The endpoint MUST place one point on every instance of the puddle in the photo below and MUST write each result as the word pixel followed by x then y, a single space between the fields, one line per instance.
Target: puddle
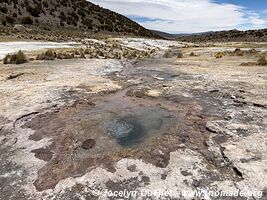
pixel 132 130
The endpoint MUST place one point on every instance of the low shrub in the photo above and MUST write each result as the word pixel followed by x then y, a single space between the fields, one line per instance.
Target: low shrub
pixel 248 64
pixel 10 19
pixel 65 55
pixel 34 11
pixel 192 54
pixel 167 54
pixel 48 55
pixel 18 58
pixel 252 51
pixel 3 9
pixel 83 55
pixel 239 52
pixel 180 55
pixel 262 61
pixel 173 53
pixel 219 54
pixel 87 51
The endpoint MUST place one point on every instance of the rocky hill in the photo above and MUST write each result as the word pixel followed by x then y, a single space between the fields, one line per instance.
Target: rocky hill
pixel 69 14
pixel 227 36
pixel 164 35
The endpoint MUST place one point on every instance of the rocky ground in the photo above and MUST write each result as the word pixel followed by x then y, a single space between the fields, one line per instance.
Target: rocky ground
pixel 77 128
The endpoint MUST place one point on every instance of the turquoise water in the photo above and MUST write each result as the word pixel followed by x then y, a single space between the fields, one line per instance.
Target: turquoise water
pixel 136 128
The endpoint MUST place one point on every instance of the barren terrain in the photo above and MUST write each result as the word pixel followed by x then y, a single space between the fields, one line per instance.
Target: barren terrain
pixel 75 128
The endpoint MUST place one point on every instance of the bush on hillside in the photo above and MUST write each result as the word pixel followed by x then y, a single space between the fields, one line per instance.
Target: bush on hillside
pixel 34 11
pixel 3 9
pixel 26 20
pixel 10 19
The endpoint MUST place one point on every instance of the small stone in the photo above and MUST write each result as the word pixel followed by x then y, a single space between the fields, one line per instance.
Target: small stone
pixel 186 173
pixel 132 168
pixel 213 90
pixel 233 97
pixel 88 144
pixel 145 179
pixel 213 127
pixel 163 176
pixel 181 146
pixel 19 27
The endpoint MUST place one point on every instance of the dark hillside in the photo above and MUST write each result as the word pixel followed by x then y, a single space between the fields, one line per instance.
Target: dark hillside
pixel 71 14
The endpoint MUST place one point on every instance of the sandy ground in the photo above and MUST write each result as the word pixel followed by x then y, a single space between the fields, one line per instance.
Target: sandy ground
pixel 203 122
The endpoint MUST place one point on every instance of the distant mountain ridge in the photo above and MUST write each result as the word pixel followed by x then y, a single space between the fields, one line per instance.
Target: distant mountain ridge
pixel 76 14
pixel 226 36
pixel 218 36
pixel 164 34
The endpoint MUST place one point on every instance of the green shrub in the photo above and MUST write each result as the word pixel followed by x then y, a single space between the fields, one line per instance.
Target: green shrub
pixel 17 58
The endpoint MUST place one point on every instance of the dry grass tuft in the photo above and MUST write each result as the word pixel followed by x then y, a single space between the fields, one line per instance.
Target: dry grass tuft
pixel 48 55
pixel 18 58
pixel 262 61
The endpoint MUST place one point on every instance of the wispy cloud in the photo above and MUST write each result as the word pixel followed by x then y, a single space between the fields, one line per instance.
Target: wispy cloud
pixel 185 16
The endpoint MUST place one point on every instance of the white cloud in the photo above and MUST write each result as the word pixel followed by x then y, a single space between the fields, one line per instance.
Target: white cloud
pixel 184 16
pixel 256 20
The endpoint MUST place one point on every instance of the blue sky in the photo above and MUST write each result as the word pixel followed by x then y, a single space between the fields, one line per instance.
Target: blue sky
pixel 191 16
pixel 250 4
